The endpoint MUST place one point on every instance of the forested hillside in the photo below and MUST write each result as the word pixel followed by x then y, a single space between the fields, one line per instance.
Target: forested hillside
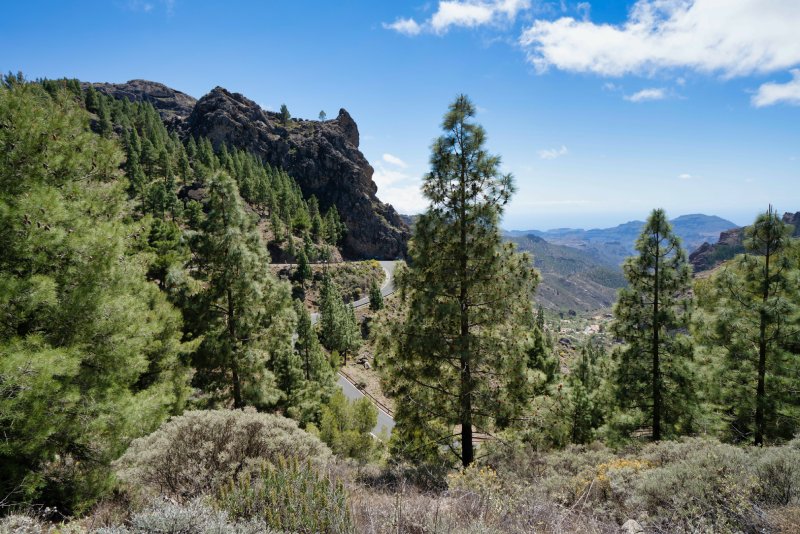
pixel 157 376
pixel 321 155
pixel 571 278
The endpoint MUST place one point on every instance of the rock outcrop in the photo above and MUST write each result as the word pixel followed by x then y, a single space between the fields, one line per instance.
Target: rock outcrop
pixel 730 243
pixel 323 158
pixel 172 105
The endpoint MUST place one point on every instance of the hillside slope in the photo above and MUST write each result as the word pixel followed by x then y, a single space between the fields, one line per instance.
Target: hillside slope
pixel 572 279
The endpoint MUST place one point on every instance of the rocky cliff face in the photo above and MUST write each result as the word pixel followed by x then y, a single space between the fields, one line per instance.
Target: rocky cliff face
pixel 730 243
pixel 323 157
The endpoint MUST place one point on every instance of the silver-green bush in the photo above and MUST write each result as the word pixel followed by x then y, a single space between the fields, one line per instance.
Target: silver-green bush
pixel 197 452
pixel 193 517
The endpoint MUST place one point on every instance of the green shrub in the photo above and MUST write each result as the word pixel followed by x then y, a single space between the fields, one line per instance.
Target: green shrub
pixel 199 451
pixel 289 496
pixel 346 426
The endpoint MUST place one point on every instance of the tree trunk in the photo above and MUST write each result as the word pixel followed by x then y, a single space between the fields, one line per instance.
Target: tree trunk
pixel 467 451
pixel 656 363
pixel 762 356
pixel 237 384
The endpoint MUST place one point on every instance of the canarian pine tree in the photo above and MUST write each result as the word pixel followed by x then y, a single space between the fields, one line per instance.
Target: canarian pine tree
pixel 89 349
pixel 338 326
pixel 653 371
pixel 314 363
pixel 243 313
pixel 753 322
pixel 375 297
pixel 457 359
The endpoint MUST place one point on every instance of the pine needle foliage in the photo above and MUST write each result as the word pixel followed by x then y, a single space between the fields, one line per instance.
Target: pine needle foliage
pixel 457 360
pixel 752 322
pixel 90 351
pixel 653 376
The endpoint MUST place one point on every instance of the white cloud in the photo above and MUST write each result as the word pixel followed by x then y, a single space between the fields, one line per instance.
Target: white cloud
pixel 585 10
pixel 733 38
pixel 685 176
pixel 773 93
pixel 405 26
pixel 394 160
pixel 400 190
pixel 553 153
pixel 462 13
pixel 645 95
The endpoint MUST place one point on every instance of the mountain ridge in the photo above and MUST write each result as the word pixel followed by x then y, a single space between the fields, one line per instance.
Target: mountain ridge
pixel 322 156
pixel 614 244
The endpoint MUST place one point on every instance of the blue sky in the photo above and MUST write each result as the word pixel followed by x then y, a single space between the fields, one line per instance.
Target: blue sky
pixel 602 110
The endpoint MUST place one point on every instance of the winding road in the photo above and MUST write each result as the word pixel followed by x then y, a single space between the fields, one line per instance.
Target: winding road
pixel 385 421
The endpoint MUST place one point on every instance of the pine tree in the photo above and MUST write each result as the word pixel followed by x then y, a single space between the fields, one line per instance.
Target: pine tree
pixel 585 383
pixel 542 361
pixel 322 116
pixel 303 270
pixel 314 363
pixel 89 349
pixel 243 312
pixel 375 297
pixel 317 224
pixel 285 115
pixel 653 374
pixel 753 320
pixel 457 358
pixel 334 227
pixel 338 327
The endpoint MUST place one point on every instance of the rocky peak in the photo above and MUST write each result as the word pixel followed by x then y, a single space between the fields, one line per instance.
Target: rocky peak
pixel 169 103
pixel 323 158
pixel 348 127
pixel 794 220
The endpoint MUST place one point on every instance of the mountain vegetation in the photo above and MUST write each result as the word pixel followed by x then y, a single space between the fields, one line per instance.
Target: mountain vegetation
pixel 156 375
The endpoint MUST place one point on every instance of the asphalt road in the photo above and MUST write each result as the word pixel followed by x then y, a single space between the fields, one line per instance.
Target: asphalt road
pixel 385 421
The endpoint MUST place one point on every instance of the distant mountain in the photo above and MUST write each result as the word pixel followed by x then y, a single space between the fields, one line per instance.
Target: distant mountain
pixel 613 245
pixel 729 244
pixel 572 279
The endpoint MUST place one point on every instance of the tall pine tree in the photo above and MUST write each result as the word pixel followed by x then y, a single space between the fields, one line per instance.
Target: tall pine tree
pixel 653 373
pixel 457 358
pixel 338 327
pixel 753 323
pixel 243 313
pixel 89 349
